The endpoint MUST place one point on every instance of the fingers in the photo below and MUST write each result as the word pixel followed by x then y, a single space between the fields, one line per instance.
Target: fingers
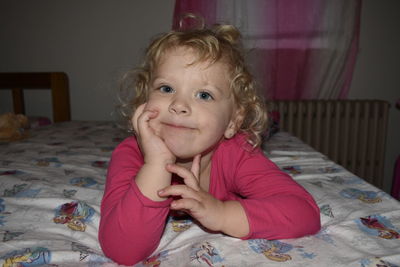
pixel 196 166
pixel 186 204
pixel 183 191
pixel 190 178
pixel 190 200
pixel 141 118
pixel 135 117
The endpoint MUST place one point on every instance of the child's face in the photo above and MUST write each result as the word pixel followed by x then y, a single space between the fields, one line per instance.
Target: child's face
pixel 195 104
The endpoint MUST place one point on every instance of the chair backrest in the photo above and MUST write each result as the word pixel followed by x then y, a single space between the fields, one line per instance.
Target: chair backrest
pixel 57 82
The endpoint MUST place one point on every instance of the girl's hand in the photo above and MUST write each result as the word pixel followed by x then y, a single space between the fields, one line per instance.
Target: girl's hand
pixel 152 146
pixel 202 206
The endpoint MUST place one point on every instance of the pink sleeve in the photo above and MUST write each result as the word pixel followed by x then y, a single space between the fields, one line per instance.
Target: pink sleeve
pixel 276 206
pixel 131 225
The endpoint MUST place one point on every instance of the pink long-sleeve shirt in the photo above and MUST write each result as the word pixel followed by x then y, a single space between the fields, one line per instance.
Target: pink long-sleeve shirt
pixel 276 206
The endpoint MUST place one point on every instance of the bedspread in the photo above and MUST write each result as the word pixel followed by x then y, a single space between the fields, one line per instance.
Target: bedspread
pixel 51 185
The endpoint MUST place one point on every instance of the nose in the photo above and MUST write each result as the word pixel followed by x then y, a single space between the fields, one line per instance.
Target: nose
pixel 179 107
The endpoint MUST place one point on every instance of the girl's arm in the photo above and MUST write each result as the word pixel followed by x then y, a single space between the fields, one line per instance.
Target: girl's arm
pixel 276 206
pixel 131 223
pixel 132 213
pixel 271 204
pixel 152 176
pixel 235 221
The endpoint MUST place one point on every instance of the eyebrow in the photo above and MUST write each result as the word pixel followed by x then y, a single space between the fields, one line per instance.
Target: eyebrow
pixel 156 79
pixel 221 92
pixel 159 80
pixel 164 80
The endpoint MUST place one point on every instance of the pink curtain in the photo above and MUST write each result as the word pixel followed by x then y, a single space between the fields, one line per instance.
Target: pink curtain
pixel 297 49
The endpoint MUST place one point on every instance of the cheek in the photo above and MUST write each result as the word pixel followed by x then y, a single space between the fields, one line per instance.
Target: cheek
pixel 153 104
pixel 216 121
pixel 223 116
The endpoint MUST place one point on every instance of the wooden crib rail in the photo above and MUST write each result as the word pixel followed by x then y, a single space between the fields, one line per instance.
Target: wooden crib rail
pixel 350 132
pixel 57 82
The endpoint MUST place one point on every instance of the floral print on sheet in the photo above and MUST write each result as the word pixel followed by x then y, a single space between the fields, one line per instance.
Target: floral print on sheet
pixel 35 256
pixel 205 253
pixel 379 226
pixel 38 184
pixel 273 250
pixel 75 215
pixel 51 187
pixel 362 195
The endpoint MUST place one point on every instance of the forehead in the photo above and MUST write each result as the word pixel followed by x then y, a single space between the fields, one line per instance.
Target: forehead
pixel 182 65
pixel 191 57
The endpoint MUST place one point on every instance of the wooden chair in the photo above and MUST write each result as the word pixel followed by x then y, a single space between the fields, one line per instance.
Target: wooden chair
pixel 57 82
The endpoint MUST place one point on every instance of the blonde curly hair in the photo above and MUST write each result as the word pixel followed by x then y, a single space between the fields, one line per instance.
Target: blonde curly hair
pixel 221 42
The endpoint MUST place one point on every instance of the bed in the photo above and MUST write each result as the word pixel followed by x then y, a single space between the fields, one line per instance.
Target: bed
pixel 52 182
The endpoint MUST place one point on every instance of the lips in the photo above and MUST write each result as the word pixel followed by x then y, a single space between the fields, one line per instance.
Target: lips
pixel 177 126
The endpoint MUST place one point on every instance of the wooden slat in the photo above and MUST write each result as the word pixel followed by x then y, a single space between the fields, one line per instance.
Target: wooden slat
pixel 335 141
pixel 327 128
pixel 281 108
pixel 290 116
pixel 18 101
pixel 354 137
pixel 299 120
pixel 383 121
pixel 309 121
pixel 364 139
pixel 373 142
pixel 60 97
pixel 318 126
pixel 346 134
pixel 28 80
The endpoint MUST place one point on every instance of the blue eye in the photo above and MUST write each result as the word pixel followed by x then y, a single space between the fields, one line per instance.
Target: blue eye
pixel 204 96
pixel 166 89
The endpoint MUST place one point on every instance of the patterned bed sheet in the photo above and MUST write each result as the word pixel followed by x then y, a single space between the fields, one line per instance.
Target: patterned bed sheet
pixel 51 186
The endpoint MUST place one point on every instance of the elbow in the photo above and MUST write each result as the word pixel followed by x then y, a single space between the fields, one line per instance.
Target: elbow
pixel 111 251
pixel 307 221
pixel 117 247
pixel 312 227
pixel 283 218
pixel 301 221
pixel 119 253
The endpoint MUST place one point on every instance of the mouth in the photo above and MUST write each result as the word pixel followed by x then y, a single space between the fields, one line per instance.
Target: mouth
pixel 177 126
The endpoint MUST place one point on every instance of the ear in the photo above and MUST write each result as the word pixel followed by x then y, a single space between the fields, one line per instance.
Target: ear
pixel 235 123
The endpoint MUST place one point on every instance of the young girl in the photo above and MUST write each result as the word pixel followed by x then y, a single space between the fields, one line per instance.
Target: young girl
pixel 196 116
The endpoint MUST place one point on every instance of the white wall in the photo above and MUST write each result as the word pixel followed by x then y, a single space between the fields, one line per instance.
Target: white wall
pixel 94 41
pixel 377 74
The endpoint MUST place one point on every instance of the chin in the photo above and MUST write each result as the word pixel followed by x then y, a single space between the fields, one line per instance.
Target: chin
pixel 183 154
